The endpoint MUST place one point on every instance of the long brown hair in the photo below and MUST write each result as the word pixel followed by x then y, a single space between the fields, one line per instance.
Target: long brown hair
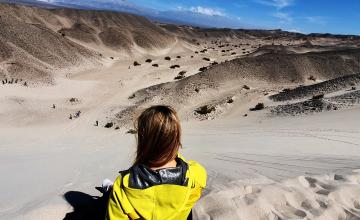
pixel 158 136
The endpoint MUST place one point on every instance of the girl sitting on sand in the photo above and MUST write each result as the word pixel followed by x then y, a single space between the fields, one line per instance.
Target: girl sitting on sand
pixel 161 184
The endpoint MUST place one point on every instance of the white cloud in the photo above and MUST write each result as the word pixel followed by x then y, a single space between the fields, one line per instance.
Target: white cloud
pixel 203 10
pixel 279 4
pixel 207 11
pixel 47 1
pixel 294 30
pixel 316 20
pixel 284 17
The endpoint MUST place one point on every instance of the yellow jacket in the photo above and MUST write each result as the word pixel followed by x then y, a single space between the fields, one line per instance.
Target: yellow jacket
pixel 157 202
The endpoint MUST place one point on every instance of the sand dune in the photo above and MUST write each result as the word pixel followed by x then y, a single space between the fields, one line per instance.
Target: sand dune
pixel 324 87
pixel 305 197
pixel 218 84
pixel 189 32
pixel 108 66
pixel 43 39
pixel 34 51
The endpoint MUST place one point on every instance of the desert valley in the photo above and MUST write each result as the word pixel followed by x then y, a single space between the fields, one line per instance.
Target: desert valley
pixel 273 115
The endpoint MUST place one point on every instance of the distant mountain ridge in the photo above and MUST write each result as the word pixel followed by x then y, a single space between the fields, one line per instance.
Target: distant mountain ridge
pixel 177 17
pixel 38 42
pixel 173 17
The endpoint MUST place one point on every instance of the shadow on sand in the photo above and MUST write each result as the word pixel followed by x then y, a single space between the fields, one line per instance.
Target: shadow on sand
pixel 86 206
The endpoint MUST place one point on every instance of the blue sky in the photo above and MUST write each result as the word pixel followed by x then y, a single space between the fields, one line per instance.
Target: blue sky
pixel 306 16
pixel 333 16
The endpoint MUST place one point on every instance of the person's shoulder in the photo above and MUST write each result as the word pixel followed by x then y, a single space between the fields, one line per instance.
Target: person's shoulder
pixel 198 171
pixel 119 180
pixel 194 166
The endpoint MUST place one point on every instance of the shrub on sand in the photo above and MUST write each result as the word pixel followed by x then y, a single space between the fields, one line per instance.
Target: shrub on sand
pixel 246 87
pixel 312 78
pixel 231 100
pixel 182 73
pixel 109 125
pixel 318 96
pixel 203 110
pixel 174 66
pixel 131 131
pixel 132 96
pixel 258 106
pixel 203 68
pixel 179 77
pixel 73 100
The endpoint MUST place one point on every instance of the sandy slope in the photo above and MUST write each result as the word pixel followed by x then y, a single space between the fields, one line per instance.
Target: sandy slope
pixel 39 44
pixel 241 155
pixel 259 166
pixel 252 161
pixel 44 154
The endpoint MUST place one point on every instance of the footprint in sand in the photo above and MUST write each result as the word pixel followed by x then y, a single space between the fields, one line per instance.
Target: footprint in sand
pixel 290 212
pixel 322 204
pixel 356 204
pixel 323 192
pixel 316 208
pixel 339 177
pixel 307 181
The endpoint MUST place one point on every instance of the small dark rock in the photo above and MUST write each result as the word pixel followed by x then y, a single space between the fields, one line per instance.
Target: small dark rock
pixel 174 66
pixel 179 77
pixel 131 131
pixel 73 99
pixel 203 69
pixel 203 110
pixel 230 101
pixel 312 78
pixel 182 73
pixel 109 125
pixel 132 96
pixel 318 96
pixel 258 106
pixel 246 87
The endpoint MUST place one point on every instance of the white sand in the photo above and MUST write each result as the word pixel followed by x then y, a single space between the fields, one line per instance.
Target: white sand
pixel 40 164
pixel 259 167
